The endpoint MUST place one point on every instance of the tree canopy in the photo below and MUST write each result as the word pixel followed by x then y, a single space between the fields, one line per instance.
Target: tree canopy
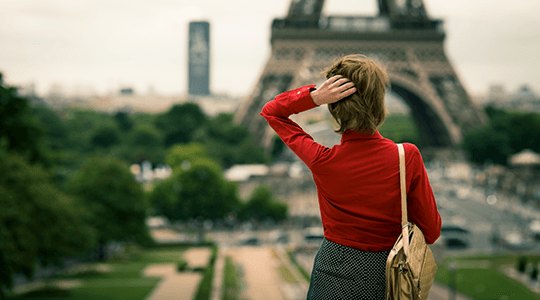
pixel 261 205
pixel 19 130
pixel 38 223
pixel 115 200
pixel 197 187
pixel 506 133
pixel 105 136
pixel 65 184
pixel 180 122
pixel 123 120
pixel 230 143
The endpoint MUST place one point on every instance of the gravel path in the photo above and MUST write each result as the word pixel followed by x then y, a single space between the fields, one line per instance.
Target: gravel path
pixel 181 286
pixel 260 272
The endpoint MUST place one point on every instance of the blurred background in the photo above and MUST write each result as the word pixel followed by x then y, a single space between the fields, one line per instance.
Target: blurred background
pixel 134 163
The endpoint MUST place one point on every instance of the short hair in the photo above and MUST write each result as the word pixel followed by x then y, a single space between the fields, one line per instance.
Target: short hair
pixel 364 110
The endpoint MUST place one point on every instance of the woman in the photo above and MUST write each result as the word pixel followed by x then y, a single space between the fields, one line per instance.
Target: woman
pixel 357 181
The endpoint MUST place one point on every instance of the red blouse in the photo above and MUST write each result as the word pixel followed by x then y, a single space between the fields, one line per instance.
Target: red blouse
pixel 358 180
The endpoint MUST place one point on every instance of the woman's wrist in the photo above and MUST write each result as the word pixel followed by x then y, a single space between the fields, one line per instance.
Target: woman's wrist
pixel 314 97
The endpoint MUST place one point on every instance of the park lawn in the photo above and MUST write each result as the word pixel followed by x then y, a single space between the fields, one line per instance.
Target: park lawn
pixel 162 255
pixel 400 128
pixel 106 290
pixel 124 281
pixel 488 282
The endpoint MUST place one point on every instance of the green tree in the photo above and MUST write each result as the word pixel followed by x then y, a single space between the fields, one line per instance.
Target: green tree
pixel 487 144
pixel 163 199
pixel 222 127
pixel 57 132
pixel 523 130
pixel 507 133
pixel 19 130
pixel 116 201
pixel 197 187
pixel 144 142
pixel 261 205
pixel 183 155
pixel 123 120
pixel 38 223
pixel 248 152
pixel 199 191
pixel 145 136
pixel 203 192
pixel 230 143
pixel 105 137
pixel 180 122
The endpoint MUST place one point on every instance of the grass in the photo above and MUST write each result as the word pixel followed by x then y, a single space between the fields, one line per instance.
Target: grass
pixel 162 255
pixel 286 274
pixel 124 279
pixel 486 283
pixel 112 292
pixel 102 288
pixel 231 280
pixel 204 289
pixel 400 128
pixel 283 270
pixel 304 273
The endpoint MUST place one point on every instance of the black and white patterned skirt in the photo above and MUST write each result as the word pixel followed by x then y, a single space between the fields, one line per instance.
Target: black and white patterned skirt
pixel 341 272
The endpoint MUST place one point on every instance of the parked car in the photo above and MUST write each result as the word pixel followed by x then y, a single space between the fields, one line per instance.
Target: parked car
pixel 250 241
pixel 455 242
pixel 453 228
pixel 314 235
pixel 455 236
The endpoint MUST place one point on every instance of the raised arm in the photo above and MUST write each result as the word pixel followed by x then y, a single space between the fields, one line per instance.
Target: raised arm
pixel 333 90
pixel 277 112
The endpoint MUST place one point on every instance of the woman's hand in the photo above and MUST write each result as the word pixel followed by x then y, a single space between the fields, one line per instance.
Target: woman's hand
pixel 332 90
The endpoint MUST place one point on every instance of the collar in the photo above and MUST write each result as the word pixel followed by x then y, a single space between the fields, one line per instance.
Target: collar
pixel 354 135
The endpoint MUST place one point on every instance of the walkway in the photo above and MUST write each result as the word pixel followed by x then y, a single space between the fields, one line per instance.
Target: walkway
pixel 260 272
pixel 174 285
pixel 180 286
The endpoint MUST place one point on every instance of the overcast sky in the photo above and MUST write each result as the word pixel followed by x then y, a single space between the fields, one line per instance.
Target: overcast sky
pixel 108 44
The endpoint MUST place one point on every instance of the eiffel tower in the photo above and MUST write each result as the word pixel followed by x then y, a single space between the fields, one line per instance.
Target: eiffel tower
pixel 401 37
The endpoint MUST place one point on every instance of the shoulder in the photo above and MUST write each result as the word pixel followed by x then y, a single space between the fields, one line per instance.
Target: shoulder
pixel 411 149
pixel 412 153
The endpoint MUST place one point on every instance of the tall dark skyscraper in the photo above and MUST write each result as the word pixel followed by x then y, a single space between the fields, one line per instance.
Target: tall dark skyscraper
pixel 199 58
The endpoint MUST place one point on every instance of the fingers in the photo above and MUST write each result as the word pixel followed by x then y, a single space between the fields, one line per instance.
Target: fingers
pixel 334 89
pixel 337 80
pixel 341 82
pixel 349 91
pixel 344 86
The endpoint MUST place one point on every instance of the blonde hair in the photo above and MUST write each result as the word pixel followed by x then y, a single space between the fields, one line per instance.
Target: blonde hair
pixel 364 110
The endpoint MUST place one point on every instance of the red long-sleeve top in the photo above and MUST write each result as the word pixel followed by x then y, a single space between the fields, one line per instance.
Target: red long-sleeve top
pixel 358 180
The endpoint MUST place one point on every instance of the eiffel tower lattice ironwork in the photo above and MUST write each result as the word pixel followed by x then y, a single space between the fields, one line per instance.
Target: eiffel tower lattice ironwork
pixel 402 37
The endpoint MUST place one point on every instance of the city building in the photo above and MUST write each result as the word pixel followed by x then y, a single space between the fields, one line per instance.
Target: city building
pixel 199 58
